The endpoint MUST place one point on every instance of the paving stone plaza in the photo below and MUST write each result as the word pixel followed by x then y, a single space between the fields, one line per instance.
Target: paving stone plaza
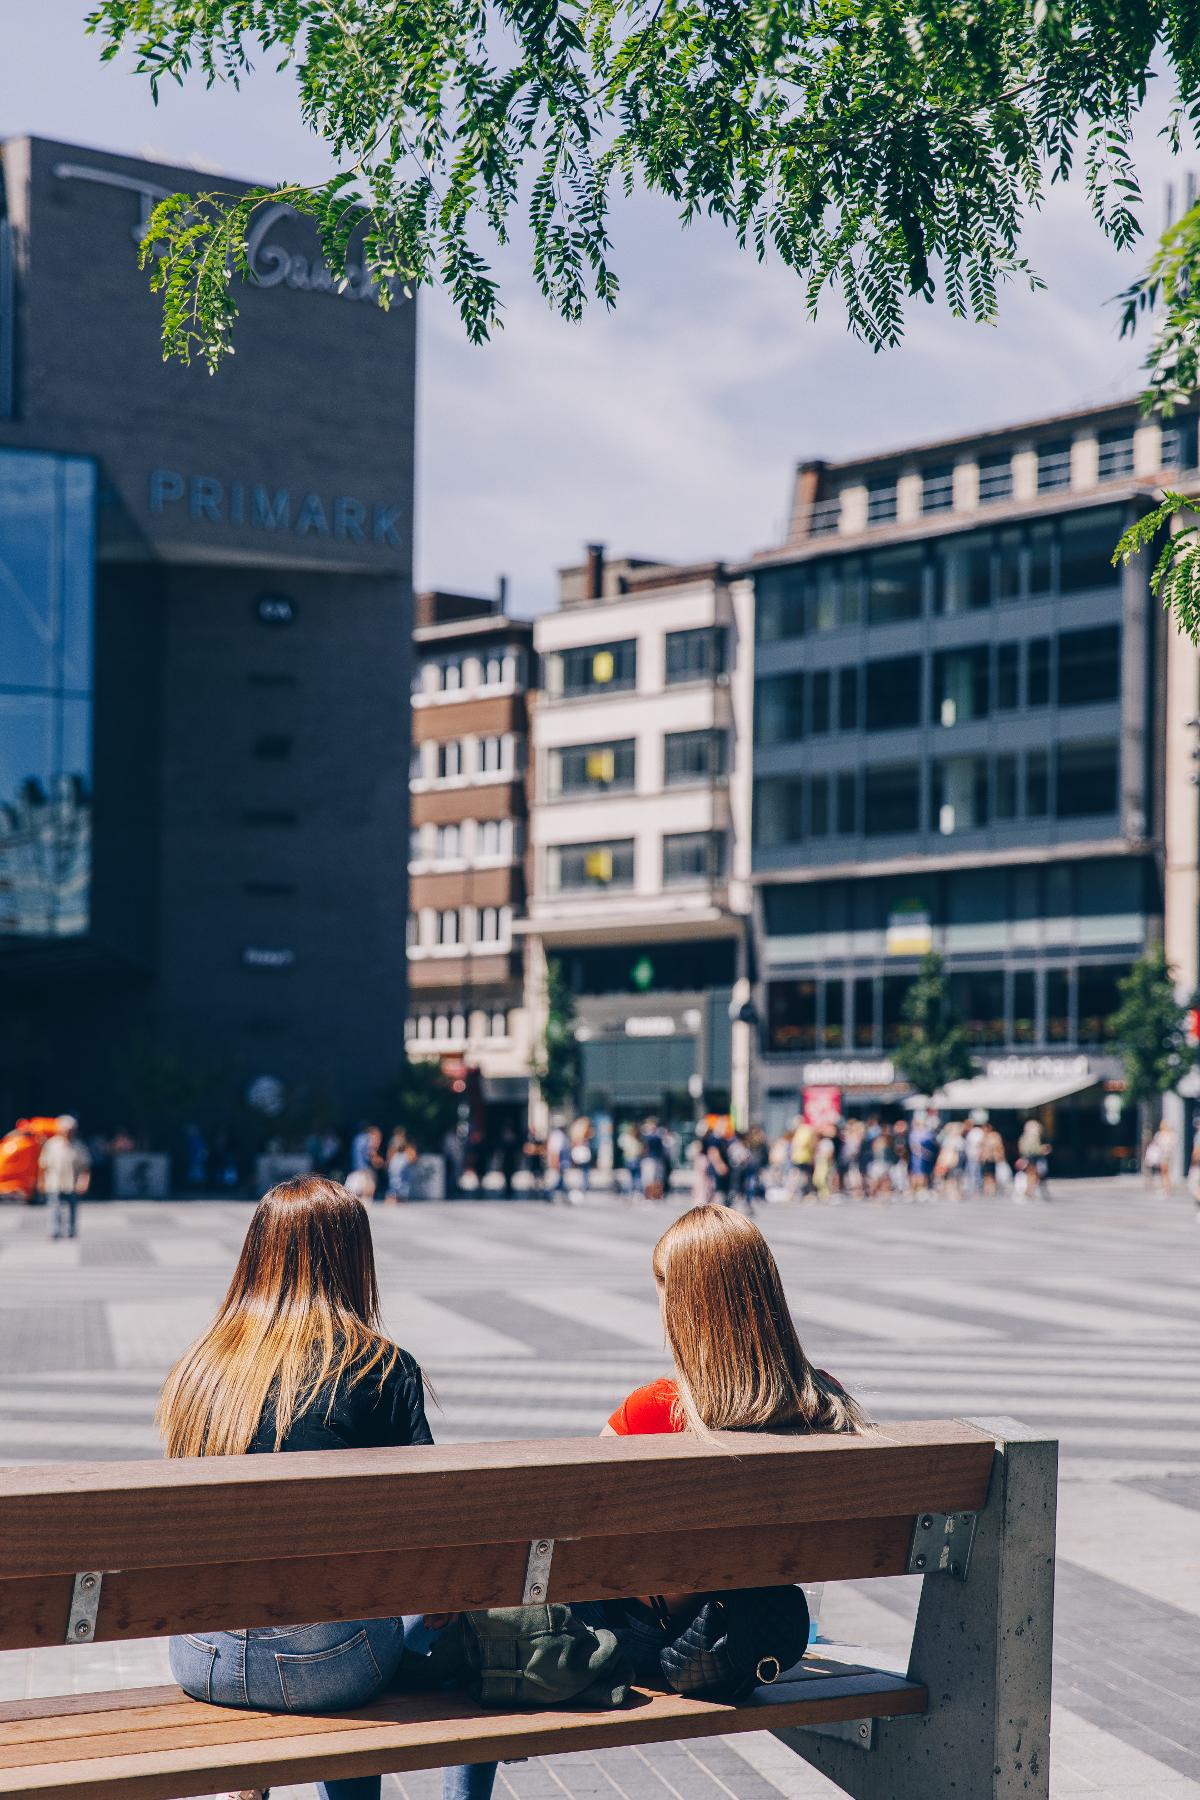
pixel 1082 1317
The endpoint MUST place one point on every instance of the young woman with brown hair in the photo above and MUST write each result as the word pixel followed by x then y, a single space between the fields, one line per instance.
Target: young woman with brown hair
pixel 296 1360
pixel 739 1365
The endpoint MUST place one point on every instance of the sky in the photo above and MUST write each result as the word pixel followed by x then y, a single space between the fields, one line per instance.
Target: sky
pixel 671 427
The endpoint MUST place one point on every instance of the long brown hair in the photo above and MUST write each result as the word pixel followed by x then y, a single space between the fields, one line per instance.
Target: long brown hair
pixel 739 1362
pixel 300 1317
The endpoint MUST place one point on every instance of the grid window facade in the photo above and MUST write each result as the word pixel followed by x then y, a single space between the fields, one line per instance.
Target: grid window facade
pixel 575 868
pixel 692 856
pixel 696 655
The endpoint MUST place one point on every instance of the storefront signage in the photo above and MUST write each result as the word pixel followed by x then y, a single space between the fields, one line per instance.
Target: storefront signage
pixel 822 1107
pixel 874 1073
pixel 269 264
pixel 909 929
pixel 255 956
pixel 210 500
pixel 1036 1068
pixel 650 1026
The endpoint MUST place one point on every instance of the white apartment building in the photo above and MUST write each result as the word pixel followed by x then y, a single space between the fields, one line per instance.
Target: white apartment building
pixel 640 752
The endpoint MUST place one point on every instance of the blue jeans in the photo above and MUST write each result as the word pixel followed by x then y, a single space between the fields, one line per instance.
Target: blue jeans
pixel 314 1668
pixel 61 1210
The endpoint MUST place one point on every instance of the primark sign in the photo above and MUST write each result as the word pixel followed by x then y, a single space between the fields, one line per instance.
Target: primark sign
pixel 213 501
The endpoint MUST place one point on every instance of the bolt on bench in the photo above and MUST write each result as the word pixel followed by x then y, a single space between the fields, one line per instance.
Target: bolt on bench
pixel 93 1552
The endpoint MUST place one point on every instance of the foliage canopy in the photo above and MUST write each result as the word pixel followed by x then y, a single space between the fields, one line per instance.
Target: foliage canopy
pixel 933 1047
pixel 1148 1028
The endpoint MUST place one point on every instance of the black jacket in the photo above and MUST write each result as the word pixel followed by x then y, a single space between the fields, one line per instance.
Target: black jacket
pixel 369 1415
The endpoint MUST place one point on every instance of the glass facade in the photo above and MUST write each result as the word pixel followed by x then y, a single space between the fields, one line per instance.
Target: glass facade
pixel 47 561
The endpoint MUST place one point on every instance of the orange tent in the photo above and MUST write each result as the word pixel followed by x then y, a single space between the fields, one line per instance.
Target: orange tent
pixel 19 1152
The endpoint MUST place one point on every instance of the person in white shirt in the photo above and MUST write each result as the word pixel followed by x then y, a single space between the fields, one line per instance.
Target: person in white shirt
pixel 64 1172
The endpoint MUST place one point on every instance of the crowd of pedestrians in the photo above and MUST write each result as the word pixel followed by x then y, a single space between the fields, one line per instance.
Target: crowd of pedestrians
pixel 873 1159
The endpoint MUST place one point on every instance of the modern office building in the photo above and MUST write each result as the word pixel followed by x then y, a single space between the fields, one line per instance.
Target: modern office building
pixel 204 638
pixel 961 745
pixel 641 792
pixel 472 671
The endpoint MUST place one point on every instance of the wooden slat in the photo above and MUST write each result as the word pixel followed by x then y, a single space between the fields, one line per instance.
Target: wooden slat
pixel 59 1518
pixel 133 1753
pixel 141 1603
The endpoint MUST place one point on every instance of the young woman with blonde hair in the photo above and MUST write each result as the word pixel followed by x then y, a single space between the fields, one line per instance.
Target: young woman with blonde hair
pixel 296 1360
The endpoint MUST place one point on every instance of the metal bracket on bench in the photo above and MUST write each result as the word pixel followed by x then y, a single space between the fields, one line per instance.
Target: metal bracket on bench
pixel 941 1544
pixel 537 1571
pixel 859 1732
pixel 85 1604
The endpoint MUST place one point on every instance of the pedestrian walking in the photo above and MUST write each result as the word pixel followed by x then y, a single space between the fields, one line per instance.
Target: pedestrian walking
pixel 64 1175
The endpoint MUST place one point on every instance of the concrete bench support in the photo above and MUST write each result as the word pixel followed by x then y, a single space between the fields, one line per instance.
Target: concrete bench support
pixel 982 1647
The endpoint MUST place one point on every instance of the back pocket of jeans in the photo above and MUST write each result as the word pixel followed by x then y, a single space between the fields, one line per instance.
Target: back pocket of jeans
pixel 192 1660
pixel 330 1680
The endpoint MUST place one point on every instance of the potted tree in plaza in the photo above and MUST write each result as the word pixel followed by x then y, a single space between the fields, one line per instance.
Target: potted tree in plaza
pixel 932 1047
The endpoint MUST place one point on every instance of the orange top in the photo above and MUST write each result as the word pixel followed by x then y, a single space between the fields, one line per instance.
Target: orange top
pixel 648 1411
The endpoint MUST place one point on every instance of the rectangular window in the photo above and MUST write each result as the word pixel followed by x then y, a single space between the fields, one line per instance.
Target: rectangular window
pixel 847 805
pixel 1116 453
pixel 691 856
pixel 825 516
pixel 937 488
pixel 577 867
pixel 1179 443
pixel 592 669
pixel 447 926
pixel 1058 1006
pixel 961 679
pixel 450 674
pixel 416 762
pixel 863 1000
pixel 818 703
pixel 960 794
pixel 1037 784
pixel 692 756
pixel 779 709
pixel 895 585
pixel 1024 1002
pixel 881 501
pixel 978 998
pixel 1089 666
pixel 995 478
pixel 1037 672
pixel 449 760
pixel 448 842
pixel 833 1032
pixel 892 799
pixel 895 988
pixel 488 927
pixel 1008 565
pixel 1086 545
pixel 780 604
pixel 489 837
pixel 963 575
pixel 1087 780
pixel 1006 787
pixel 818 806
pixel 1008 677
pixel 1054 465
pixel 848 688
pixel 1041 559
pixel 695 655
pixel 592 768
pixel 1098 996
pixel 491 755
pixel 893 690
pixel 778 811
pixel 792 1017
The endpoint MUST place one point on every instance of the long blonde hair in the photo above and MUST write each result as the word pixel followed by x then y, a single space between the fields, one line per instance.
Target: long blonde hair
pixel 300 1317
pixel 739 1362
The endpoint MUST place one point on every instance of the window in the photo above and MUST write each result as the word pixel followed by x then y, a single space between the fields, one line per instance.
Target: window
pixel 963 575
pixel 1089 666
pixel 573 867
pixel 893 693
pixel 937 488
pixel 825 516
pixel 834 1028
pixel 416 762
pixel 1054 465
pixel 1024 1007
pixel 818 703
pixel 447 926
pixel 792 1016
pixel 780 604
pixel 692 756
pixel 441 1026
pixel 960 684
pixel 818 806
pixel 491 755
pixel 592 669
pixel 449 841
pixel 778 811
pixel 960 794
pixel 1085 551
pixel 275 746
pixel 1179 444
pixel 1098 999
pixel 1058 1006
pixel 894 586
pixel 1037 784
pixel 779 709
pixel 488 931
pixel 695 655
pixel 449 760
pixel 1006 787
pixel 846 793
pixel 1037 672
pixel 451 673
pixel 892 799
pixel 1007 565
pixel 1087 780
pixel 862 996
pixel 498 1025
pixel 978 998
pixel 1041 559
pixel 995 478
pixel 489 837
pixel 493 672
pixel 894 991
pixel 848 689
pixel 834 594
pixel 693 856
pixel 1116 453
pixel 881 501
pixel 586 768
pixel 412 932
pixel 1008 677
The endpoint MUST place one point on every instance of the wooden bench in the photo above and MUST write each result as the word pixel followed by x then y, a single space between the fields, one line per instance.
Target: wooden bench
pixel 135 1550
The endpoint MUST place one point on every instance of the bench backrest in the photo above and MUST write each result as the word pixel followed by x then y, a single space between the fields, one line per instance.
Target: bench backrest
pixel 223 1542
